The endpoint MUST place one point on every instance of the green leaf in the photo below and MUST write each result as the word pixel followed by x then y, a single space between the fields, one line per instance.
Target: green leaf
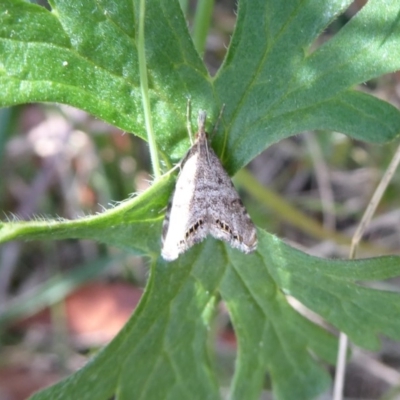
pixel 84 54
pixel 274 84
pixel 273 336
pixel 164 341
pixel 284 88
pixel 329 288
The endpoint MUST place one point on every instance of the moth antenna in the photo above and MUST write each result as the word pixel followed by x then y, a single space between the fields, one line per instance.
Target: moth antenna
pixel 202 130
pixel 201 121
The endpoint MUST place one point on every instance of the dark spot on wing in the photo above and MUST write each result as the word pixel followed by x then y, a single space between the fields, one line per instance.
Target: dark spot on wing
pixel 194 228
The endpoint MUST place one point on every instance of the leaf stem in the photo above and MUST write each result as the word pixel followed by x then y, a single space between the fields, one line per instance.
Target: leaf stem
pixel 202 21
pixel 288 213
pixel 145 93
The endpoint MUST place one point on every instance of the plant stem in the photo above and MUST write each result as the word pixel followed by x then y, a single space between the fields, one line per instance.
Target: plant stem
pixel 145 92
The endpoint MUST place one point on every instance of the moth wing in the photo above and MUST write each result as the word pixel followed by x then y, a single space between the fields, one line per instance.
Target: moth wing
pixel 227 217
pixel 185 219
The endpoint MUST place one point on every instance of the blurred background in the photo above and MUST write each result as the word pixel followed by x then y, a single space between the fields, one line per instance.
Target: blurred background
pixel 60 301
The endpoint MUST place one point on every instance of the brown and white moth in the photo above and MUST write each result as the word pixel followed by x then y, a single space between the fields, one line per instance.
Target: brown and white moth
pixel 205 202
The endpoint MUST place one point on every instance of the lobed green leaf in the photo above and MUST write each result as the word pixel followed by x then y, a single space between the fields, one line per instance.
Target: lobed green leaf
pixel 275 82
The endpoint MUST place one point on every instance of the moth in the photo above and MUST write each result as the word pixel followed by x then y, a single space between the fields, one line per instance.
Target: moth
pixel 205 202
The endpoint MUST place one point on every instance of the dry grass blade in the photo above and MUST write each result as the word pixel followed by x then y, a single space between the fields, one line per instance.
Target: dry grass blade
pixel 365 220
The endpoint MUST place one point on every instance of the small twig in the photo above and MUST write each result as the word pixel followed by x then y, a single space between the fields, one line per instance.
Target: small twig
pixel 365 220
pixel 373 204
